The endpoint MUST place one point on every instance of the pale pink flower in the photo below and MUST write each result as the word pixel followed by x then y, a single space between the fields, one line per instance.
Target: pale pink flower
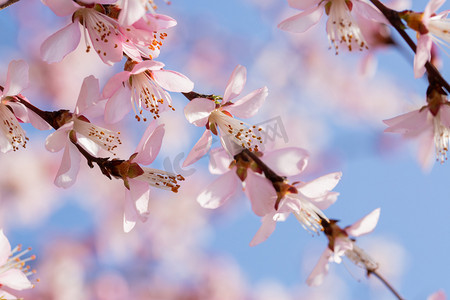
pixel 217 117
pixel 143 39
pixel 144 88
pixel 343 245
pixel 430 27
pixel 306 200
pixel 439 295
pixel 431 129
pixel 100 32
pixel 13 269
pixel 138 195
pixel 342 26
pixel 11 133
pixel 91 137
pixel 285 162
pixel 134 10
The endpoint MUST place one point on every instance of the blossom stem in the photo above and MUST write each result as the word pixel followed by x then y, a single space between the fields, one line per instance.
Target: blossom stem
pixel 386 283
pixel 395 20
pixel 8 3
pixel 268 172
pixel 50 117
pixel 192 95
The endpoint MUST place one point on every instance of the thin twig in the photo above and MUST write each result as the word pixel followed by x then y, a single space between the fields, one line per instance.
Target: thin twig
pixel 395 20
pixel 386 283
pixel 8 3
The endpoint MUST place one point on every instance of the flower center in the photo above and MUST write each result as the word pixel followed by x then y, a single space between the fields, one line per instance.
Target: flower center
pixel 11 129
pixel 441 138
pixel 161 179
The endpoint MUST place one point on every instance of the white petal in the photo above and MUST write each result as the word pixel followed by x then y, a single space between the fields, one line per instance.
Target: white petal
pixel 302 21
pixel 249 105
pixel 61 43
pixel 321 186
pixel 15 279
pixel 198 110
pixel 219 191
pixel 70 165
pixel 235 83
pixel 5 248
pixel 173 81
pixel 261 193
pixel 200 149
pixel 17 78
pixel 287 161
pixel 267 228
pixel 365 225
pixel 320 270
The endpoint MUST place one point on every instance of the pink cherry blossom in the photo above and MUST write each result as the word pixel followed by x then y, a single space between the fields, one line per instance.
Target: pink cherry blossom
pixel 138 195
pixel 343 245
pixel 11 133
pixel 143 88
pixel 305 200
pixel 217 117
pixel 13 269
pixel 430 28
pixel 342 26
pixel 100 32
pixel 431 129
pixel 91 137
pixel 285 162
pixel 439 295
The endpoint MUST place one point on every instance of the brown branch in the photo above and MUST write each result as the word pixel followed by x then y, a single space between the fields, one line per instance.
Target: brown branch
pixel 268 172
pixel 386 283
pixel 8 3
pixel 395 20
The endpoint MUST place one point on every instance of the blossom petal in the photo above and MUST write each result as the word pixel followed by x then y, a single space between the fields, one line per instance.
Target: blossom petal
pixel 155 22
pixel 61 43
pixel 61 8
pixel 369 12
pixel 249 105
pixel 173 81
pixel 324 202
pixel 319 187
pixel 199 149
pixel 365 225
pixel 118 106
pixel 439 295
pixel 17 78
pixel 261 193
pixel 131 12
pixel 267 228
pixel 15 279
pixel 423 54
pixel 198 110
pixel 147 65
pixel 130 215
pixel 302 21
pixel 114 83
pixel 5 248
pixel 140 195
pixel 70 165
pixel 320 270
pixel 58 139
pixel 432 6
pixel 235 83
pixel 219 191
pixel 89 93
pixel 410 123
pixel 150 144
pixel 287 161
pixel 302 4
pixel 219 161
pixel 444 113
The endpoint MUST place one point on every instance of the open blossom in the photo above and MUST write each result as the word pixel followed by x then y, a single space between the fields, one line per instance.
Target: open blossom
pixel 100 31
pixel 13 269
pixel 340 244
pixel 78 128
pixel 137 194
pixel 285 162
pixel 342 26
pixel 217 117
pixel 11 133
pixel 143 88
pixel 430 124
pixel 429 27
pixel 305 201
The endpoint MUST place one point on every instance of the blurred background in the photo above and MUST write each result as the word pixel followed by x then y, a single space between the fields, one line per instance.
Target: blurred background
pixel 331 105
